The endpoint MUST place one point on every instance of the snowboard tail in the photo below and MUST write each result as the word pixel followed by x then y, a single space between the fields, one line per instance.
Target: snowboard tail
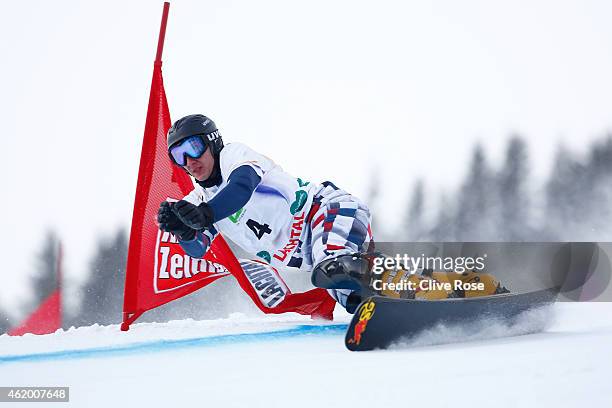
pixel 381 321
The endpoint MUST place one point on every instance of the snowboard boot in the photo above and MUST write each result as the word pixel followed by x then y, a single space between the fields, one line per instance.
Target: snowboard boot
pixel 346 272
pixel 349 271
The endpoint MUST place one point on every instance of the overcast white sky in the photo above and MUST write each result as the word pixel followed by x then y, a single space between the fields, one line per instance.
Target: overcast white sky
pixel 328 89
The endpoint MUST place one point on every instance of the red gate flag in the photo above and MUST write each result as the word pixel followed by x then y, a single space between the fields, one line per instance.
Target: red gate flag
pixel 47 318
pixel 158 270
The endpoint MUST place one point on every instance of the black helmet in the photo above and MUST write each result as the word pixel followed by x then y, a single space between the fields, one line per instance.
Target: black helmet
pixel 191 125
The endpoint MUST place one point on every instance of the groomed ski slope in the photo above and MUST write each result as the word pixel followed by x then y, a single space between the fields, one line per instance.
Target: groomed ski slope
pixel 291 361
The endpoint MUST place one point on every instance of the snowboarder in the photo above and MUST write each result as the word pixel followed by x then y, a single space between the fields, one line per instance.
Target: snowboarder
pixel 284 220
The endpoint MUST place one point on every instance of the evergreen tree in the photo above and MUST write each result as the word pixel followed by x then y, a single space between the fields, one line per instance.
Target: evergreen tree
pixel 600 159
pixel 5 323
pixel 103 292
pixel 474 214
pixel 565 193
pixel 371 200
pixel 597 194
pixel 444 228
pixel 44 279
pixel 413 228
pixel 513 221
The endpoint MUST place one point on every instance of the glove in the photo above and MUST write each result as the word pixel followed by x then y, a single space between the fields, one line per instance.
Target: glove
pixel 197 217
pixel 169 222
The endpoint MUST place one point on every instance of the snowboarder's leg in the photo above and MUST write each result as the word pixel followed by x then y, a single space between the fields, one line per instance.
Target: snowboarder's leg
pixel 343 256
pixel 340 226
pixel 347 298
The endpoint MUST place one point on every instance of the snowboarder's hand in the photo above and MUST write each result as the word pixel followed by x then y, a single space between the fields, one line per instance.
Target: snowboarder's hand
pixel 197 217
pixel 169 222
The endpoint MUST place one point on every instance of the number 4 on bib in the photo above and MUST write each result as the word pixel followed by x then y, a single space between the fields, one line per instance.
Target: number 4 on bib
pixel 258 229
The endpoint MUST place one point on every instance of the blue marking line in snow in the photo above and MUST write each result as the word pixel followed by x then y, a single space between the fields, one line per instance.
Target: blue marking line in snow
pixel 164 345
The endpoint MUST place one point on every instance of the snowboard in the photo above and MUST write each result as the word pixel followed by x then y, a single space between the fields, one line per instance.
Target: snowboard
pixel 380 321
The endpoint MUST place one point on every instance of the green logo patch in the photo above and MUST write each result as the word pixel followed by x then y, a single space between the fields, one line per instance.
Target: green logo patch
pixel 300 199
pixel 236 216
pixel 265 255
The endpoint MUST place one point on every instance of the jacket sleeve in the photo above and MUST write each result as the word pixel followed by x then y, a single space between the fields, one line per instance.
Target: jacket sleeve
pixel 197 247
pixel 241 184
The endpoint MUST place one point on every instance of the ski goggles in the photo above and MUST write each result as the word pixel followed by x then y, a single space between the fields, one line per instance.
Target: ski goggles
pixel 193 147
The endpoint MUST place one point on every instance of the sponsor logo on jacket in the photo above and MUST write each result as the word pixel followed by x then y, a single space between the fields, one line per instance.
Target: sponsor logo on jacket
pixel 294 238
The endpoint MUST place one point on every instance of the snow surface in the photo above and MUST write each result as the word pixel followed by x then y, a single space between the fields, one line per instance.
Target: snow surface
pixel 292 361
